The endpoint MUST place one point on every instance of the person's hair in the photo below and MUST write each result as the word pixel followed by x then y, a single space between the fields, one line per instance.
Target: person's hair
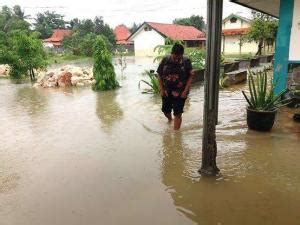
pixel 177 49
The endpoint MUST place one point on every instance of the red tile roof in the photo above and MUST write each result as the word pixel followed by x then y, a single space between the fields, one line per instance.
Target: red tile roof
pixel 237 31
pixel 57 36
pixel 122 33
pixel 178 32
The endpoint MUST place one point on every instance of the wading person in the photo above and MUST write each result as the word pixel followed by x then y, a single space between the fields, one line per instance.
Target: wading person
pixel 175 77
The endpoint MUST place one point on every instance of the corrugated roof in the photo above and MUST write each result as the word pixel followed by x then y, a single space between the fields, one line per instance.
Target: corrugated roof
pixel 173 31
pixel 177 32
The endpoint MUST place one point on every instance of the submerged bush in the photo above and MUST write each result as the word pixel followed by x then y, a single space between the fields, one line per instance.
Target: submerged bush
pixel 103 69
pixel 153 83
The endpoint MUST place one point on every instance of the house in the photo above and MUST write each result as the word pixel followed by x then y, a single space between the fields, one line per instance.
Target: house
pixel 149 35
pixel 55 41
pixel 122 33
pixel 287 51
pixel 234 31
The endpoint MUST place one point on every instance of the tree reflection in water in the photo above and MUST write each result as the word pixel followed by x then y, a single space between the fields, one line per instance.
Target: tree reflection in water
pixel 108 110
pixel 33 100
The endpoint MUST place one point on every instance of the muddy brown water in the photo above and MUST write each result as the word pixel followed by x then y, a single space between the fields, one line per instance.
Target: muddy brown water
pixel 74 157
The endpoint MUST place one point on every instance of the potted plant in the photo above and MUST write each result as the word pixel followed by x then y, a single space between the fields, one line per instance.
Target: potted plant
pixel 263 103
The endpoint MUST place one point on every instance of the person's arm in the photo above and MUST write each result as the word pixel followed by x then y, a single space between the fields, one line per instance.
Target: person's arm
pixel 189 81
pixel 161 84
pixel 161 87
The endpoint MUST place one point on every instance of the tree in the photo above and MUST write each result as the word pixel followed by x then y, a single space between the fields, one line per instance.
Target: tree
pixel 85 27
pixel 103 69
pixel 13 19
pixel 87 44
pixel 74 23
pixel 83 44
pixel 104 29
pixel 263 30
pixel 46 22
pixel 195 21
pixel 134 27
pixel 23 52
pixel 72 43
pixel 82 40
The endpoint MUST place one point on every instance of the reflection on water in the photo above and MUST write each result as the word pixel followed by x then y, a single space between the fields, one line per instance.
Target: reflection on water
pixel 34 101
pixel 259 181
pixel 107 109
pixel 74 156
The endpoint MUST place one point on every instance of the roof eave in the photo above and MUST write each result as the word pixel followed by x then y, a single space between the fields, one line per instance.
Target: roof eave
pixel 250 7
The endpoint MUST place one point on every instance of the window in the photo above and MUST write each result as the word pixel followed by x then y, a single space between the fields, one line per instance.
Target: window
pixel 233 20
pixel 147 28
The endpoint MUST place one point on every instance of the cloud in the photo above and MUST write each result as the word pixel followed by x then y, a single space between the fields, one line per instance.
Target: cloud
pixel 126 12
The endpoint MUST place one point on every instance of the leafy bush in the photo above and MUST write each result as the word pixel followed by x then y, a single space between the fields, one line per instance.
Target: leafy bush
pixel 153 83
pixel 103 69
pixel 23 52
pixel 196 55
pixel 82 45
pixel 164 50
pixel 197 58
pixel 262 96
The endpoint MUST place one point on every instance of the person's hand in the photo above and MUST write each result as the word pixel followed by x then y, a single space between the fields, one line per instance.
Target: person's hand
pixel 184 94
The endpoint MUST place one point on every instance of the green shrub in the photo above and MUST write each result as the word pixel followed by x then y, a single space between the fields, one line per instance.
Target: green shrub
pixel 153 83
pixel 197 57
pixel 23 52
pixel 103 69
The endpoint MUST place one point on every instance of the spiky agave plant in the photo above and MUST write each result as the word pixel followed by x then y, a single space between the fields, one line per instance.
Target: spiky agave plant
pixel 262 96
pixel 153 83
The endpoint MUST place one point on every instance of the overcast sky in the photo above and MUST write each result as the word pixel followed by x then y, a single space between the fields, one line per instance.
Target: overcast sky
pixel 116 12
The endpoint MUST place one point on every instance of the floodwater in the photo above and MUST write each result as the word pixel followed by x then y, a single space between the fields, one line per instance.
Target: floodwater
pixel 76 157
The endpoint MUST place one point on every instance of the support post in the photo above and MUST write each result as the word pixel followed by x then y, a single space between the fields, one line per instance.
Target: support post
pixel 283 44
pixel 211 89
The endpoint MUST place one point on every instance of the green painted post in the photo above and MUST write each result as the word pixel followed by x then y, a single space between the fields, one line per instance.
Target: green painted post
pixel 283 45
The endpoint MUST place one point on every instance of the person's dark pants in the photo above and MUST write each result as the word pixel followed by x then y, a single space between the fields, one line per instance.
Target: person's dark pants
pixel 170 103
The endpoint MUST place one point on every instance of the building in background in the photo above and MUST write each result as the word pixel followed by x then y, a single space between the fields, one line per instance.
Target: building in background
pixel 55 41
pixel 234 31
pixel 122 33
pixel 287 51
pixel 149 35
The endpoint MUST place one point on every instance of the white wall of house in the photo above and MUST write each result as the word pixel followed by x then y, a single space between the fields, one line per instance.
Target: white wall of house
pixel 294 53
pixel 232 42
pixel 146 41
pixel 48 45
pixel 232 45
pixel 238 24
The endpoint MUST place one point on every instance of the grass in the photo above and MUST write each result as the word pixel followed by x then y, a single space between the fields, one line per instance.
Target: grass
pixel 232 57
pixel 61 58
